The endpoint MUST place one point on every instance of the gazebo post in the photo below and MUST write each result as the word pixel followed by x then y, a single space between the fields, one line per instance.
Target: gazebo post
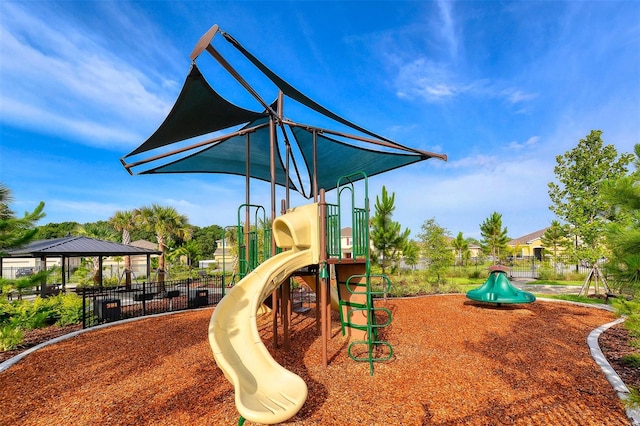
pixel 43 283
pixel 63 270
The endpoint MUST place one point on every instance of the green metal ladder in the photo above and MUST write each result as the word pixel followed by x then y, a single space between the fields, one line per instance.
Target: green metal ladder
pixel 257 253
pixel 360 248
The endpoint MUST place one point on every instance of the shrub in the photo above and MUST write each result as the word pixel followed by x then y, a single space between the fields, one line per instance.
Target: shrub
pixel 549 274
pixel 41 313
pixel 475 274
pixel 10 337
pixel 69 309
pixel 633 401
pixel 7 311
pixel 632 360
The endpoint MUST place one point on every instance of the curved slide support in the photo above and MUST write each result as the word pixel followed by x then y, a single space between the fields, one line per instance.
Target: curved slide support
pixel 265 392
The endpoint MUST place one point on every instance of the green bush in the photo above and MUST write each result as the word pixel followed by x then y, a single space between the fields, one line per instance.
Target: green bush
pixel 549 274
pixel 633 401
pixel 7 311
pixel 475 273
pixel 632 360
pixel 10 337
pixel 69 309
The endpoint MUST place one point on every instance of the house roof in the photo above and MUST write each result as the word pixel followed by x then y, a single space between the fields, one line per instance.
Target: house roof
pixel 144 244
pixel 526 239
pixel 77 247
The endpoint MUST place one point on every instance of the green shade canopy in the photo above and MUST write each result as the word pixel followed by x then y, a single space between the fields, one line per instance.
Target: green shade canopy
pixel 335 159
pixel 294 93
pixel 229 156
pixel 198 110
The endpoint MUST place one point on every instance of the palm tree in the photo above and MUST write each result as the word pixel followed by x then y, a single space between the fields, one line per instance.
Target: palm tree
pixel 16 231
pixel 190 250
pixel 100 230
pixel 494 237
pixel 461 245
pixel 124 221
pixel 165 222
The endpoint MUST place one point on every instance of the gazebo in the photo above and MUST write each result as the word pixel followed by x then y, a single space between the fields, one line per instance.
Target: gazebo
pixel 80 246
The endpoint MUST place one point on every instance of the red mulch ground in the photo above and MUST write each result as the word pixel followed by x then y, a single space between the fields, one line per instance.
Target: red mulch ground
pixel 455 363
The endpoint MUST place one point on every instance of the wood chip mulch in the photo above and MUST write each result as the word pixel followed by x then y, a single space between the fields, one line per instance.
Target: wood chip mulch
pixel 456 362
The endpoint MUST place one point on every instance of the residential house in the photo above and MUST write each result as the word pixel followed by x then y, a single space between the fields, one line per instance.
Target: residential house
pixel 529 245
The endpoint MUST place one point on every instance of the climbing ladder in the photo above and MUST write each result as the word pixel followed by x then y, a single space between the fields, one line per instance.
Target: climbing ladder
pixel 356 290
pixel 251 250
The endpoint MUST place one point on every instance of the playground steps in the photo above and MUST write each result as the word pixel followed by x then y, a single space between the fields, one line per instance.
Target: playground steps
pixel 354 307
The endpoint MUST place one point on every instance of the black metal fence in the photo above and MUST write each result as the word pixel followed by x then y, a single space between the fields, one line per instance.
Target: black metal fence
pixel 531 267
pixel 106 304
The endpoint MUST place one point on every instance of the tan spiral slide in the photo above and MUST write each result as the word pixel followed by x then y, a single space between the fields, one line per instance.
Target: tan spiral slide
pixel 265 392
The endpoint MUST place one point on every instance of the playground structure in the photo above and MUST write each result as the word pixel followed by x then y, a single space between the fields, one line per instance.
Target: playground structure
pixel 304 242
pixel 499 290
pixel 264 391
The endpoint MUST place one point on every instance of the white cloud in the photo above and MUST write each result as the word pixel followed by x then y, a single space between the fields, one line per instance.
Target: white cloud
pixel 78 211
pixel 48 121
pixel 477 186
pixel 474 162
pixel 515 96
pixel 64 81
pixel 447 30
pixel 437 81
pixel 517 146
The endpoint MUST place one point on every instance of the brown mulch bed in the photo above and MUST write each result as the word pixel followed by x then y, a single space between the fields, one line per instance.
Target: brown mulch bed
pixel 455 362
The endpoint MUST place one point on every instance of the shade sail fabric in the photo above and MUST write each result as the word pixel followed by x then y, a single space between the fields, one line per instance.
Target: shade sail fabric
pixel 294 93
pixel 336 159
pixel 230 157
pixel 198 110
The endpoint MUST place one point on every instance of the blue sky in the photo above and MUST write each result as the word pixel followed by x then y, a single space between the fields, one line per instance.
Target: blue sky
pixel 500 87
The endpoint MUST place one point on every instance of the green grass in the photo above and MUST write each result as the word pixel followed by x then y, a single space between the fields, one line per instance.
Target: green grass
pixel 466 280
pixel 571 298
pixel 554 282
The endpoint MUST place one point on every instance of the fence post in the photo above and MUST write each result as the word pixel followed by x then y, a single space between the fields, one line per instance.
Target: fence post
pixel 84 309
pixel 144 298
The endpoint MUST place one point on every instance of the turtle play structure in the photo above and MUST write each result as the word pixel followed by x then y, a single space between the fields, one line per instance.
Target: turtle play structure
pixel 212 135
pixel 499 290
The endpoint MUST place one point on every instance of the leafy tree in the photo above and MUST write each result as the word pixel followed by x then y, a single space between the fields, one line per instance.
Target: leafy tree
pixel 577 197
pixel 56 230
pixel 124 221
pixel 623 236
pixel 436 247
pixel 386 235
pixel 411 254
pixel 100 230
pixel 462 247
pixel 165 222
pixel 494 237
pixel 206 238
pixel 14 231
pixel 555 237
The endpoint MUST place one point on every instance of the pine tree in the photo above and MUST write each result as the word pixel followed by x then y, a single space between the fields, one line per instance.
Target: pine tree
pixel 386 235
pixel 494 237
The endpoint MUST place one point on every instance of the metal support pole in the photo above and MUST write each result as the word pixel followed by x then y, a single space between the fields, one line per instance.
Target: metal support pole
pixel 325 278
